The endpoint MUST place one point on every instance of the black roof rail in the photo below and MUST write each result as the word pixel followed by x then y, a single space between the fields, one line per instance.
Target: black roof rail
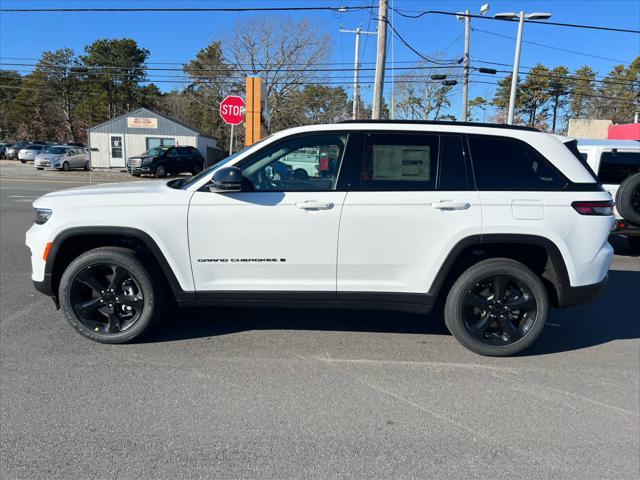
pixel 447 122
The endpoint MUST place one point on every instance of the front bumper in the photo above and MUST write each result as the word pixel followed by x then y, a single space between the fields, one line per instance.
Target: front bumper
pixel 139 170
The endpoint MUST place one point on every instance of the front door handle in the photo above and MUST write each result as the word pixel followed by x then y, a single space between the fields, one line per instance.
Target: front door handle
pixel 450 205
pixel 314 205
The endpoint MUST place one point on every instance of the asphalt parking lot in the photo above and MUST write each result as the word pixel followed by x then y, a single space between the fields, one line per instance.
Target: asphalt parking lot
pixel 244 393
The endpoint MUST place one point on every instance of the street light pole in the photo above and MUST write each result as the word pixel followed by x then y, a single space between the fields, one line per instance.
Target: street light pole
pixel 516 68
pixel 516 60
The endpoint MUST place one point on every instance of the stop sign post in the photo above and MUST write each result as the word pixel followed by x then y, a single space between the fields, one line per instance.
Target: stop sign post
pixel 232 111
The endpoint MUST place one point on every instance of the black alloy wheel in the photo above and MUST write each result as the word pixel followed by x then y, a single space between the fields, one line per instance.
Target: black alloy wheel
pixel 110 296
pixel 497 307
pixel 106 298
pixel 499 310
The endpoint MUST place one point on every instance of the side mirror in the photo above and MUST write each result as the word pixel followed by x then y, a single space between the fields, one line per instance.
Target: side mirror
pixel 228 179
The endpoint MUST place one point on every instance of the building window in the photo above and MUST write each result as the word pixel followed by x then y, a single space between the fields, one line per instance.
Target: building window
pixel 153 142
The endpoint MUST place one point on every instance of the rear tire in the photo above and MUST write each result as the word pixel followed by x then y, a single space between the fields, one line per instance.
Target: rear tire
pixel 628 199
pixel 497 307
pixel 132 284
pixel 65 166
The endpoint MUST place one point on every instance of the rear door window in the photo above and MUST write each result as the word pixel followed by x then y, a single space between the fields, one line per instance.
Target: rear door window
pixel 616 166
pixel 399 162
pixel 502 163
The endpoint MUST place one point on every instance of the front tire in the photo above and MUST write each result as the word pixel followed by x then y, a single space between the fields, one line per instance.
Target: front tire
pixel 108 296
pixel 497 307
pixel 161 171
pixel 65 167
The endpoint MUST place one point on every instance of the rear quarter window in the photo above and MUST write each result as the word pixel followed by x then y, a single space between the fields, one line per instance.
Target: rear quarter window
pixel 616 166
pixel 502 163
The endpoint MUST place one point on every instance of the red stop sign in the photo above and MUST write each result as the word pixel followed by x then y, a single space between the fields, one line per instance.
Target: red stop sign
pixel 232 110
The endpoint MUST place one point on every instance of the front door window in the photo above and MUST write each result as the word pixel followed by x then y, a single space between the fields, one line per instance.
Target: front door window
pixel 305 163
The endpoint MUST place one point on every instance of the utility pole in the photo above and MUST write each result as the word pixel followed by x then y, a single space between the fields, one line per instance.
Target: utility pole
pixel 465 84
pixel 356 68
pixel 378 86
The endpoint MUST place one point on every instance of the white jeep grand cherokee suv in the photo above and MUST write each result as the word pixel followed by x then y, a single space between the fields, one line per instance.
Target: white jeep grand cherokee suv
pixel 497 222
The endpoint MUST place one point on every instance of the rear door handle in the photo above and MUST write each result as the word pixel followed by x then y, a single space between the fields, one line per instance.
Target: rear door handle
pixel 314 205
pixel 450 205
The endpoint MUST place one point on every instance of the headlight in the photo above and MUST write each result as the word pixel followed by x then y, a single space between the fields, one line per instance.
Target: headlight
pixel 42 215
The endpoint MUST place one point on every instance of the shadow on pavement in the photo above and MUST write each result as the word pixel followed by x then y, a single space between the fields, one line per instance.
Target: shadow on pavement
pixel 616 315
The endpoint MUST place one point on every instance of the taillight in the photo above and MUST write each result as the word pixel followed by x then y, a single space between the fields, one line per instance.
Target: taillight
pixel 594 208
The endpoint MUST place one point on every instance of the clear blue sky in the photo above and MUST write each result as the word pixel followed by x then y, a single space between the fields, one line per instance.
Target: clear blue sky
pixel 176 37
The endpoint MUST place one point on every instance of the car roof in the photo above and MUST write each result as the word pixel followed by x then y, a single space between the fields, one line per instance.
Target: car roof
pixel 445 122
pixel 589 142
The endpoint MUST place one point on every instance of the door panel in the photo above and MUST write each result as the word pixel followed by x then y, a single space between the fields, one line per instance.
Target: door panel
pixel 281 232
pixel 412 202
pixel 264 241
pixel 397 241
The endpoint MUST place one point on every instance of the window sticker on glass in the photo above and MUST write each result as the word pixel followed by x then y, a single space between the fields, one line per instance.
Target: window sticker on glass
pixel 401 162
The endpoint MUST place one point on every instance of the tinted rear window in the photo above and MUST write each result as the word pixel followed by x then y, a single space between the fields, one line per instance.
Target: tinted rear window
pixel 615 166
pixel 502 163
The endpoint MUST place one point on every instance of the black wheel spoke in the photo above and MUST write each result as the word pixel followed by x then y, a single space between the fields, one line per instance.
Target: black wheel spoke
pixel 119 274
pixel 88 306
pixel 499 286
pixel 521 303
pixel 114 321
pixel 478 329
pixel 509 328
pixel 132 301
pixel 475 300
pixel 89 278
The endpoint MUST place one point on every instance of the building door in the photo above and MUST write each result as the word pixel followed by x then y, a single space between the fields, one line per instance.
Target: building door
pixel 116 151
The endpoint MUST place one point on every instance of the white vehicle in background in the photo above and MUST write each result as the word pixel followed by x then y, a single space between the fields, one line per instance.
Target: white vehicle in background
pixel 63 157
pixel 29 153
pixel 617 164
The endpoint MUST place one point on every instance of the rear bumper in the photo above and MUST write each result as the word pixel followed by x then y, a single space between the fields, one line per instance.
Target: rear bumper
pixel 572 296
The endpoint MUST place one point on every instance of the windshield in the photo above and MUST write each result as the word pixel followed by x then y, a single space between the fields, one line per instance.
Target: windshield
pixel 195 179
pixel 152 152
pixel 55 150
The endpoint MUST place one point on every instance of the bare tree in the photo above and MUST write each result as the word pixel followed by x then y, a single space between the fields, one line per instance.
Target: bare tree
pixel 420 97
pixel 281 51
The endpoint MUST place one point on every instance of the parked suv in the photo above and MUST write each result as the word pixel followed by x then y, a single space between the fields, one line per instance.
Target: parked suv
pixel 617 163
pixel 163 161
pixel 497 222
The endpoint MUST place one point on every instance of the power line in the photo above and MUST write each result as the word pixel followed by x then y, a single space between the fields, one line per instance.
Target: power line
pixel 546 22
pixel 424 57
pixel 576 52
pixel 342 9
